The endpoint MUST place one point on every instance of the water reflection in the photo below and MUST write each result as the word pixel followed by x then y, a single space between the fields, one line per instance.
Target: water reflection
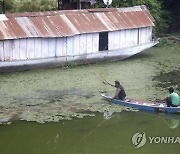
pixel 170 120
pixel 173 123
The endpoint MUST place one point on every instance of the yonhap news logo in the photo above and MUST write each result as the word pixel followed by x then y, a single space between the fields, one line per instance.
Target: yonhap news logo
pixel 139 139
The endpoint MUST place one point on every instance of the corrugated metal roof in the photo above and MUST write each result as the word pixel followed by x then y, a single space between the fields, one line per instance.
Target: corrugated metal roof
pixel 72 22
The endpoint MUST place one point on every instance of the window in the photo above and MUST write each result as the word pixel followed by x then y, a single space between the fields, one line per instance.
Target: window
pixel 103 41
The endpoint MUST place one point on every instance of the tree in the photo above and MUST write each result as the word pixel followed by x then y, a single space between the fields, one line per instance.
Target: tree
pixel 172 6
pixel 8 6
pixel 2 6
pixel 47 5
pixel 29 6
pixel 161 16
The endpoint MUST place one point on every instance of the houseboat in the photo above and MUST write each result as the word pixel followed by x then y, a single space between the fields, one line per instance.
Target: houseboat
pixel 54 38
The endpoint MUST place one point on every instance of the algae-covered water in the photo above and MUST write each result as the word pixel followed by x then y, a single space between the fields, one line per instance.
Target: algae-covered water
pixel 60 98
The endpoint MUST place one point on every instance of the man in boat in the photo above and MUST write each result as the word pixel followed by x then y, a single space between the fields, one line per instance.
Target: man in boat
pixel 120 92
pixel 172 99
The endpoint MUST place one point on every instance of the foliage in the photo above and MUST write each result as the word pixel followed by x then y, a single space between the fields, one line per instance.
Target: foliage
pixel 163 42
pixel 99 4
pixel 47 5
pixel 9 5
pixel 29 6
pixel 72 64
pixel 173 7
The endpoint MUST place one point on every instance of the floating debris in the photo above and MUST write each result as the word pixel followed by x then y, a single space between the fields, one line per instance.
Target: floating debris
pixel 108 114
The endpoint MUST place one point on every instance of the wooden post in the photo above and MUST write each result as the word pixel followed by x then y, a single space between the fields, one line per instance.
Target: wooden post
pixel 59 4
pixel 79 4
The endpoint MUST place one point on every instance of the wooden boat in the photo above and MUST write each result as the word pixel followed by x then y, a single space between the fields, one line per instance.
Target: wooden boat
pixel 147 106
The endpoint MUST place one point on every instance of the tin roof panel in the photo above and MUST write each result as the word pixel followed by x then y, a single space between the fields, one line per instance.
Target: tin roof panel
pixel 48 25
pixel 145 19
pixel 62 25
pixel 27 27
pixel 40 28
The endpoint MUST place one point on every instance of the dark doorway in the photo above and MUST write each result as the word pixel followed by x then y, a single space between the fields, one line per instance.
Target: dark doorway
pixel 103 41
pixel 73 4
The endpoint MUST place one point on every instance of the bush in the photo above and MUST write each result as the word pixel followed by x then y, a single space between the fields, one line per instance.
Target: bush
pixel 30 5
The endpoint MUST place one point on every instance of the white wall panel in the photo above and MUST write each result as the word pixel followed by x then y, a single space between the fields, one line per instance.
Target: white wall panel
pixel 22 49
pixel 70 43
pixel 64 53
pixel 83 43
pixel 143 35
pixel 45 48
pixel 76 44
pixel 89 43
pixel 130 36
pixel 37 48
pixel 116 40
pixel 122 38
pixel 151 33
pixel 128 39
pixel 110 40
pixel 14 49
pixel 59 47
pixel 11 49
pixel 95 42
pixel 1 50
pixel 7 49
pixel 17 49
pixel 52 47
pixel 135 36
pixel 30 48
pixel 149 29
pixel 147 35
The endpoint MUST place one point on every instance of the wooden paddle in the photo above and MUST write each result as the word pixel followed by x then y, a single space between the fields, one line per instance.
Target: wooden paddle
pixel 106 82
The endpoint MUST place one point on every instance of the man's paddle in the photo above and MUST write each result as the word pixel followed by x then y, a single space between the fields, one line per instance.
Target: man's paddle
pixel 106 82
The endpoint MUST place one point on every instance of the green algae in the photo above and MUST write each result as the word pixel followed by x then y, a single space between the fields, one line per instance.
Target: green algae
pixel 62 94
pixel 168 79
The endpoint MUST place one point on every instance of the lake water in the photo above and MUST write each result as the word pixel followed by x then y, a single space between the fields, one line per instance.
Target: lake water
pixel 94 135
pixel 51 105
